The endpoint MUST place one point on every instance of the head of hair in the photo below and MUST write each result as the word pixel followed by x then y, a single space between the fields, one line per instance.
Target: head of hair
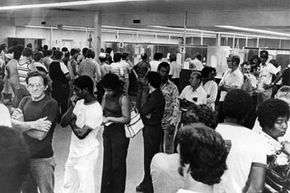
pixel 270 110
pixel 163 65
pixel 47 53
pixel 144 56
pixel 37 73
pixel 154 79
pixel 37 56
pixel 102 57
pixel 29 45
pixel 109 59
pixel 84 82
pixel 200 113
pixel 236 59
pixel 45 47
pixel 112 81
pixel 157 56
pixel 57 54
pixel 14 160
pixel 109 50
pixel 27 52
pixel 117 57
pixel 2 47
pixel 73 51
pixel 264 54
pixel 206 71
pixel 84 51
pixel 204 150
pixel 90 54
pixel 125 55
pixel 172 57
pixel 275 62
pixel 17 54
pixel 237 104
pixel 64 49
pixel 198 56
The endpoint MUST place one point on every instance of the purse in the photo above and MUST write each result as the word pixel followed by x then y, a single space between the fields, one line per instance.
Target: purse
pixel 136 123
pixel 277 176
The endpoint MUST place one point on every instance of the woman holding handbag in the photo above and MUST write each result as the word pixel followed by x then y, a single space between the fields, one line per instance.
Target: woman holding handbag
pixel 116 107
pixel 273 116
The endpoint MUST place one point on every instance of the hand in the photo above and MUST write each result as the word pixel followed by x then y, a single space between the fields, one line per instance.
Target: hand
pixel 17 115
pixel 41 124
pixel 73 99
pixel 105 120
pixel 286 147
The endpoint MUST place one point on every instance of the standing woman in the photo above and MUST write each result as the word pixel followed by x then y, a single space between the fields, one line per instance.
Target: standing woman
pixel 60 77
pixel 209 85
pixel 115 104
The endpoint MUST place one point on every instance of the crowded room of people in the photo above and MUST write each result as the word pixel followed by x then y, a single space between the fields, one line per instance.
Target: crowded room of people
pixel 144 96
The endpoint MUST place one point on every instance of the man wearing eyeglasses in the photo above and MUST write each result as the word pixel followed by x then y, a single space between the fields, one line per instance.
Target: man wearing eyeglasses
pixel 36 117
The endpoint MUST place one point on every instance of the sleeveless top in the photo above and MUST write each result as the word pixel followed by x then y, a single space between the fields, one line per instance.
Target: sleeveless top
pixel 112 106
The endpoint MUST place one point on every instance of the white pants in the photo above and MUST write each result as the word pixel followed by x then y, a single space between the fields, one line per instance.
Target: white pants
pixel 79 176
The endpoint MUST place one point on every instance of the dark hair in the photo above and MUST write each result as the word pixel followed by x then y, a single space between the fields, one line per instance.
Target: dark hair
pixel 47 53
pixel 144 56
pixel 204 150
pixel 17 54
pixel 206 71
pixel 64 49
pixel 125 55
pixel 27 52
pixel 275 62
pixel 237 104
pixel 29 45
pixel 172 57
pixel 45 47
pixel 84 52
pixel 103 59
pixel 117 57
pixel 109 50
pixel 236 59
pixel 90 54
pixel 14 160
pixel 200 113
pixel 57 54
pixel 37 56
pixel 198 56
pixel 112 81
pixel 154 79
pixel 36 73
pixel 163 65
pixel 109 58
pixel 157 56
pixel 84 82
pixel 2 47
pixel 270 110
pixel 73 51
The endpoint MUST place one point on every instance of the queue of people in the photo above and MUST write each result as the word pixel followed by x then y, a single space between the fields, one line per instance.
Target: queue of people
pixel 191 142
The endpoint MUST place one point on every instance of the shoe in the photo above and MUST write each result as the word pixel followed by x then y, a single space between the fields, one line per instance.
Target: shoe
pixel 140 188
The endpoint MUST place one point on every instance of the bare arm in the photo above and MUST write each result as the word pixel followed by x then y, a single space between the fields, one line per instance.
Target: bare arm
pixel 81 133
pixel 256 181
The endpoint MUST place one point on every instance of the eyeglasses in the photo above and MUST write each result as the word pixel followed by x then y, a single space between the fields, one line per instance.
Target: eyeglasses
pixel 34 85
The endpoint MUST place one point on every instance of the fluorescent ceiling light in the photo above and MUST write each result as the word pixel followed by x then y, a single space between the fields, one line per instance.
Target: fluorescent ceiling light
pixel 253 30
pixel 62 4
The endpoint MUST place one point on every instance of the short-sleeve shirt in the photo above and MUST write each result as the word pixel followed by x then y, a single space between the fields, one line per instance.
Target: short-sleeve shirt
pixel 266 73
pixel 5 116
pixel 92 116
pixel 233 79
pixel 154 65
pixel 245 150
pixel 211 90
pixel 32 111
pixel 189 94
pixel 175 69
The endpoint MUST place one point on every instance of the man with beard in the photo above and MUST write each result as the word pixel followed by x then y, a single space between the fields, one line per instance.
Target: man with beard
pixel 170 116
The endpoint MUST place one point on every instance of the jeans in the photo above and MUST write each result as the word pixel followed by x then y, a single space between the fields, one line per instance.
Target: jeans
pixel 41 176
pixel 79 176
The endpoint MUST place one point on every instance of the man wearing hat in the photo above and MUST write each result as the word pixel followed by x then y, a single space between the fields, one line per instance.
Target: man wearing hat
pixel 267 70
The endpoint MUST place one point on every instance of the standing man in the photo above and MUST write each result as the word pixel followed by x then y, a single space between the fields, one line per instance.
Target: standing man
pixel 197 62
pixel 175 69
pixel 232 79
pixel 151 114
pixel 267 70
pixel 36 117
pixel 170 116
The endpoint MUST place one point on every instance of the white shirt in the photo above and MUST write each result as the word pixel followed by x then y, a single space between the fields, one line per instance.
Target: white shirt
pixel 117 68
pixel 154 65
pixel 5 119
pixel 211 89
pixel 175 69
pixel 265 76
pixel 232 79
pixel 199 93
pixel 63 68
pixel 246 149
pixel 186 191
pixel 197 63
pixel 164 172
pixel 90 115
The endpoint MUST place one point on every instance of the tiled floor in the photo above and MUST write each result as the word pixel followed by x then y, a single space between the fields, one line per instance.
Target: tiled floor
pixel 134 160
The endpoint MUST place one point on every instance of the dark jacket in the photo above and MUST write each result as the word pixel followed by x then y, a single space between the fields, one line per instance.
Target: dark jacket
pixel 152 110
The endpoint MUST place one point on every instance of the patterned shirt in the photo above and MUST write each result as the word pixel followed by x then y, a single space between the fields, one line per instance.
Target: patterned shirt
pixel 171 111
